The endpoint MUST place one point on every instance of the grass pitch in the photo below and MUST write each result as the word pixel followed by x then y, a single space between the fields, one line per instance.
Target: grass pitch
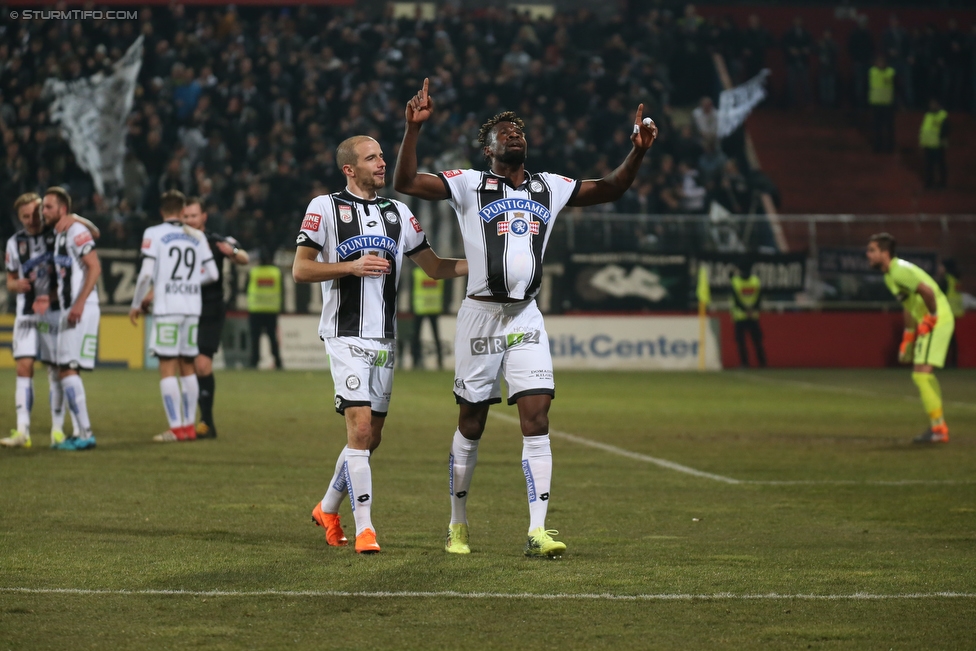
pixel 813 522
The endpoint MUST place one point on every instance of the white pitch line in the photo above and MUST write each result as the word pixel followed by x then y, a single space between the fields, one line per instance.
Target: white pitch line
pixel 844 390
pixel 613 449
pixel 671 465
pixel 451 594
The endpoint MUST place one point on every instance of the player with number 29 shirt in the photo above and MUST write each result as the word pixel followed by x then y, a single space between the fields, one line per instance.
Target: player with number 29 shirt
pixel 176 261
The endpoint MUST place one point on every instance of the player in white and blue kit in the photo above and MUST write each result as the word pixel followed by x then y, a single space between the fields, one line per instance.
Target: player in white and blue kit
pixel 506 216
pixel 78 268
pixel 353 243
pixel 176 261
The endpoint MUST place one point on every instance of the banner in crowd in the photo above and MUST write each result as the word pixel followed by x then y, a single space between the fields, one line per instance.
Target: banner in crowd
pixel 622 281
pixel 780 273
pixel 92 113
pixel 845 274
pixel 735 104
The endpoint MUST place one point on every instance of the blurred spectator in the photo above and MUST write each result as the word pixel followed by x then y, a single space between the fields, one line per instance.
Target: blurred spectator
pixel 827 73
pixel 881 97
pixel 756 39
pixel 933 138
pixel 797 47
pixel 895 45
pixel 706 119
pixel 860 48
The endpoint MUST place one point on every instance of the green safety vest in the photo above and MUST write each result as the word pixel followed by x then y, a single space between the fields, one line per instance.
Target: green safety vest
pixel 264 290
pixel 881 86
pixel 954 296
pixel 930 135
pixel 428 294
pixel 747 291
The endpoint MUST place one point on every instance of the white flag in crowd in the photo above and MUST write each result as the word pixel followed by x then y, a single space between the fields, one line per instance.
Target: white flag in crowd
pixel 92 114
pixel 735 104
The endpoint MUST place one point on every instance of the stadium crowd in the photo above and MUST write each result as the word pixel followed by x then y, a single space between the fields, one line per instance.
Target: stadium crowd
pixel 244 107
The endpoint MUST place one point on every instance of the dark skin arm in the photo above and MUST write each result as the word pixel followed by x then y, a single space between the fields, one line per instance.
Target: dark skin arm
pixel 437 267
pixel 405 177
pixel 612 186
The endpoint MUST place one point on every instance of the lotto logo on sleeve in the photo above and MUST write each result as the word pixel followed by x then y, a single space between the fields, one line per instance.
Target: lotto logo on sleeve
pixel 416 225
pixel 311 222
pixel 452 173
pixel 82 239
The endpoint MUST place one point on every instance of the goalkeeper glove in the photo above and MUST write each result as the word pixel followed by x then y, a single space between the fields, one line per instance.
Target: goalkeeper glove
pixel 907 349
pixel 927 324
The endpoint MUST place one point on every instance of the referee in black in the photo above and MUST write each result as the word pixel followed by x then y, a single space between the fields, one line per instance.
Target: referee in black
pixel 212 313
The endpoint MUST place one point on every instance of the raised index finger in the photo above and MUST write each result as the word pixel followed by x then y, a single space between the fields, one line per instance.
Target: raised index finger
pixel 640 113
pixel 423 93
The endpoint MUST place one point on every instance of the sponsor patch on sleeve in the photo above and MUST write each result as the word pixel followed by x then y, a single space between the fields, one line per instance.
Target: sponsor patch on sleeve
pixel 451 173
pixel 311 222
pixel 566 178
pixel 147 243
pixel 81 239
pixel 416 225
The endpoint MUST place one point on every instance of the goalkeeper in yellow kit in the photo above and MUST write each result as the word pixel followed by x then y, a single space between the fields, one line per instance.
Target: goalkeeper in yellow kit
pixel 928 328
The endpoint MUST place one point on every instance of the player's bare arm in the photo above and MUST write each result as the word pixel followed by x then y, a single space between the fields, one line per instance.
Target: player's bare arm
pixel 439 268
pixel 17 285
pixel 306 269
pixel 612 186
pixel 94 266
pixel 405 176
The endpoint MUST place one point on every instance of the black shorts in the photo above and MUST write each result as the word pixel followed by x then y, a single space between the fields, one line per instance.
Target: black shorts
pixel 208 341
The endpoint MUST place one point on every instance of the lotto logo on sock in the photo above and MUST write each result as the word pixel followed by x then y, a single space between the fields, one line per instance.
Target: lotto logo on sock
pixel 544 497
pixel 461 494
pixel 362 499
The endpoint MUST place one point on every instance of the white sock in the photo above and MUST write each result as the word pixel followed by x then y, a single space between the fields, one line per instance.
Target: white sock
pixel 170 388
pixel 537 466
pixel 191 394
pixel 56 394
pixel 337 486
pixel 464 457
pixel 24 401
pixel 74 391
pixel 359 480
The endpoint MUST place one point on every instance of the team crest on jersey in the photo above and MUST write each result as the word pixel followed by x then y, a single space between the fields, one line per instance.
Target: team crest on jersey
pixel 536 186
pixel 345 214
pixel 491 183
pixel 520 226
pixel 352 382
pixel 452 173
pixel 391 216
pixel 311 222
pixel 416 225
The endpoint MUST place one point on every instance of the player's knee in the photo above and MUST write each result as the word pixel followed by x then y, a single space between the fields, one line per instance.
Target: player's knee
pixel 25 367
pixel 535 424
pixel 471 427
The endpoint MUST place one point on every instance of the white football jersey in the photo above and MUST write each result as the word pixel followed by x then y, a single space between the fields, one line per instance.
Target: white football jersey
pixel 180 253
pixel 506 229
pixel 343 227
pixel 32 257
pixel 69 248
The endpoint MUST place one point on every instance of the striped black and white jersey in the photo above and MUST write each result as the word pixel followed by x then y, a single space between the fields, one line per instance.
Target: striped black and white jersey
pixel 343 227
pixel 32 257
pixel 69 249
pixel 506 229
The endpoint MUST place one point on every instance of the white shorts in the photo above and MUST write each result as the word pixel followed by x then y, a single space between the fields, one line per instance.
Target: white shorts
pixel 25 343
pixel 362 372
pixel 174 335
pixel 77 347
pixel 496 340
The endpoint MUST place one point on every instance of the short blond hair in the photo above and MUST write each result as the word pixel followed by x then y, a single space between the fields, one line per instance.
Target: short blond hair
pixel 24 199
